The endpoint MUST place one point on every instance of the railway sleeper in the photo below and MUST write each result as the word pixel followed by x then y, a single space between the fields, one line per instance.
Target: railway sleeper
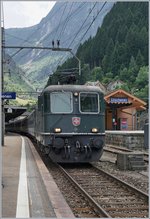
pixel 127 208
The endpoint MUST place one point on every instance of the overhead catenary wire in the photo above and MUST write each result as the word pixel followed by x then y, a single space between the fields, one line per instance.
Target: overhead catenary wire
pixel 82 25
pixel 70 37
pixel 30 36
pixel 66 21
pixel 38 26
pixel 61 18
pixel 77 10
pixel 24 40
pixel 87 28
pixel 93 21
pixel 74 12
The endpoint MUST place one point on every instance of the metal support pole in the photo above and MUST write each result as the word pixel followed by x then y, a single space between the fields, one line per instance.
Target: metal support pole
pixel 78 61
pixel 114 118
pixel 2 88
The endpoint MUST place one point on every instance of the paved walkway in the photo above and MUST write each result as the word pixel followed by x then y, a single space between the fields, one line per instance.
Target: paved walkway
pixel 29 190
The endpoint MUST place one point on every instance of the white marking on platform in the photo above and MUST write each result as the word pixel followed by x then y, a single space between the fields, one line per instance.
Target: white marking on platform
pixel 22 210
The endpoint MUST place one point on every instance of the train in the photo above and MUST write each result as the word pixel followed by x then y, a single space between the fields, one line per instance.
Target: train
pixel 68 123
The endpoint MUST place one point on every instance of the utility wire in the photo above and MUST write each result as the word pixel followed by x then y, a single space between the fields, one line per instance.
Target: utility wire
pixel 70 37
pixel 61 18
pixel 77 10
pixel 89 26
pixel 18 38
pixel 30 36
pixel 66 21
pixel 45 23
pixel 82 25
pixel 93 21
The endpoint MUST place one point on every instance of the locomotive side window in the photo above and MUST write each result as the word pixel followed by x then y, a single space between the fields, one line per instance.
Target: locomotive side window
pixel 61 102
pixel 39 103
pixel 89 103
pixel 47 102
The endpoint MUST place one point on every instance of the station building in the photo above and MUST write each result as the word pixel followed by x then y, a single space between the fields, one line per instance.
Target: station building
pixel 121 110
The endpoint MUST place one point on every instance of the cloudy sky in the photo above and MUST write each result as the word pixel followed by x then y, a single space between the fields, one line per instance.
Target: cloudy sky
pixel 25 13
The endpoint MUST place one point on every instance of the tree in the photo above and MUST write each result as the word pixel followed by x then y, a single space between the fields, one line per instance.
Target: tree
pixel 142 77
pixel 139 59
pixel 143 93
pixel 132 42
pixel 97 74
pixel 118 55
pixel 132 71
pixel 107 60
pixel 143 45
pixel 86 74
pixel 142 83
pixel 125 87
pixel 124 74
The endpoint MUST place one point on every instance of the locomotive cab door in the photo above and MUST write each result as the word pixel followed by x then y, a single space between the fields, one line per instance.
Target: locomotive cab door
pixel 40 114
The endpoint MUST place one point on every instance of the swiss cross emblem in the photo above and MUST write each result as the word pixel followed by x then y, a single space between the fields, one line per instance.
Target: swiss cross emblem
pixel 76 121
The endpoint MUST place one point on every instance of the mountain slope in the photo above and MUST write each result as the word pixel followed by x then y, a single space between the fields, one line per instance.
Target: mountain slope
pixel 67 22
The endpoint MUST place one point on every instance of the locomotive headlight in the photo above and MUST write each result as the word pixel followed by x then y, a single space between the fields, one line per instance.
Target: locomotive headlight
pixel 76 94
pixel 57 130
pixel 94 130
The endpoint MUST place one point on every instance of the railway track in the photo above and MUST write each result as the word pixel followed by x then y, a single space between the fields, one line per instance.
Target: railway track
pixel 111 196
pixel 93 193
pixel 81 207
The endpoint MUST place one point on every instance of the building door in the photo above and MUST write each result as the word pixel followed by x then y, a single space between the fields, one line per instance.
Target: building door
pixel 108 119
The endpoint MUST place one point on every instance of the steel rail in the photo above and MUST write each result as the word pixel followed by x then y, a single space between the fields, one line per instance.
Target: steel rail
pixel 97 206
pixel 145 195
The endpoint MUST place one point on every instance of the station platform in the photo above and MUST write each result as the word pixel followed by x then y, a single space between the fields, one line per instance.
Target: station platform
pixel 133 140
pixel 28 189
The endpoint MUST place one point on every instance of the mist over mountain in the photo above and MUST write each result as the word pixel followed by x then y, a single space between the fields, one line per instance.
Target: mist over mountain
pixel 69 22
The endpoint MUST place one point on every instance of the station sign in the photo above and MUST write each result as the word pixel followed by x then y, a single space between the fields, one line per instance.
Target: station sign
pixel 8 95
pixel 118 99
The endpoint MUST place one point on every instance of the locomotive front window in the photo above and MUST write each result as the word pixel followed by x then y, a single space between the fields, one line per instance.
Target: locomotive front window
pixel 89 103
pixel 61 102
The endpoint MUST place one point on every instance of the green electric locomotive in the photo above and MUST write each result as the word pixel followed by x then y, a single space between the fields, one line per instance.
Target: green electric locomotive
pixel 69 123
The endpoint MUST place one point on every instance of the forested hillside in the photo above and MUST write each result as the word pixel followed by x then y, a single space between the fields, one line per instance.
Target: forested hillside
pixel 118 51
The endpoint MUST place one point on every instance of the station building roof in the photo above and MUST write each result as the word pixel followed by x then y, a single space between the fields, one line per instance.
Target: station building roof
pixel 120 98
